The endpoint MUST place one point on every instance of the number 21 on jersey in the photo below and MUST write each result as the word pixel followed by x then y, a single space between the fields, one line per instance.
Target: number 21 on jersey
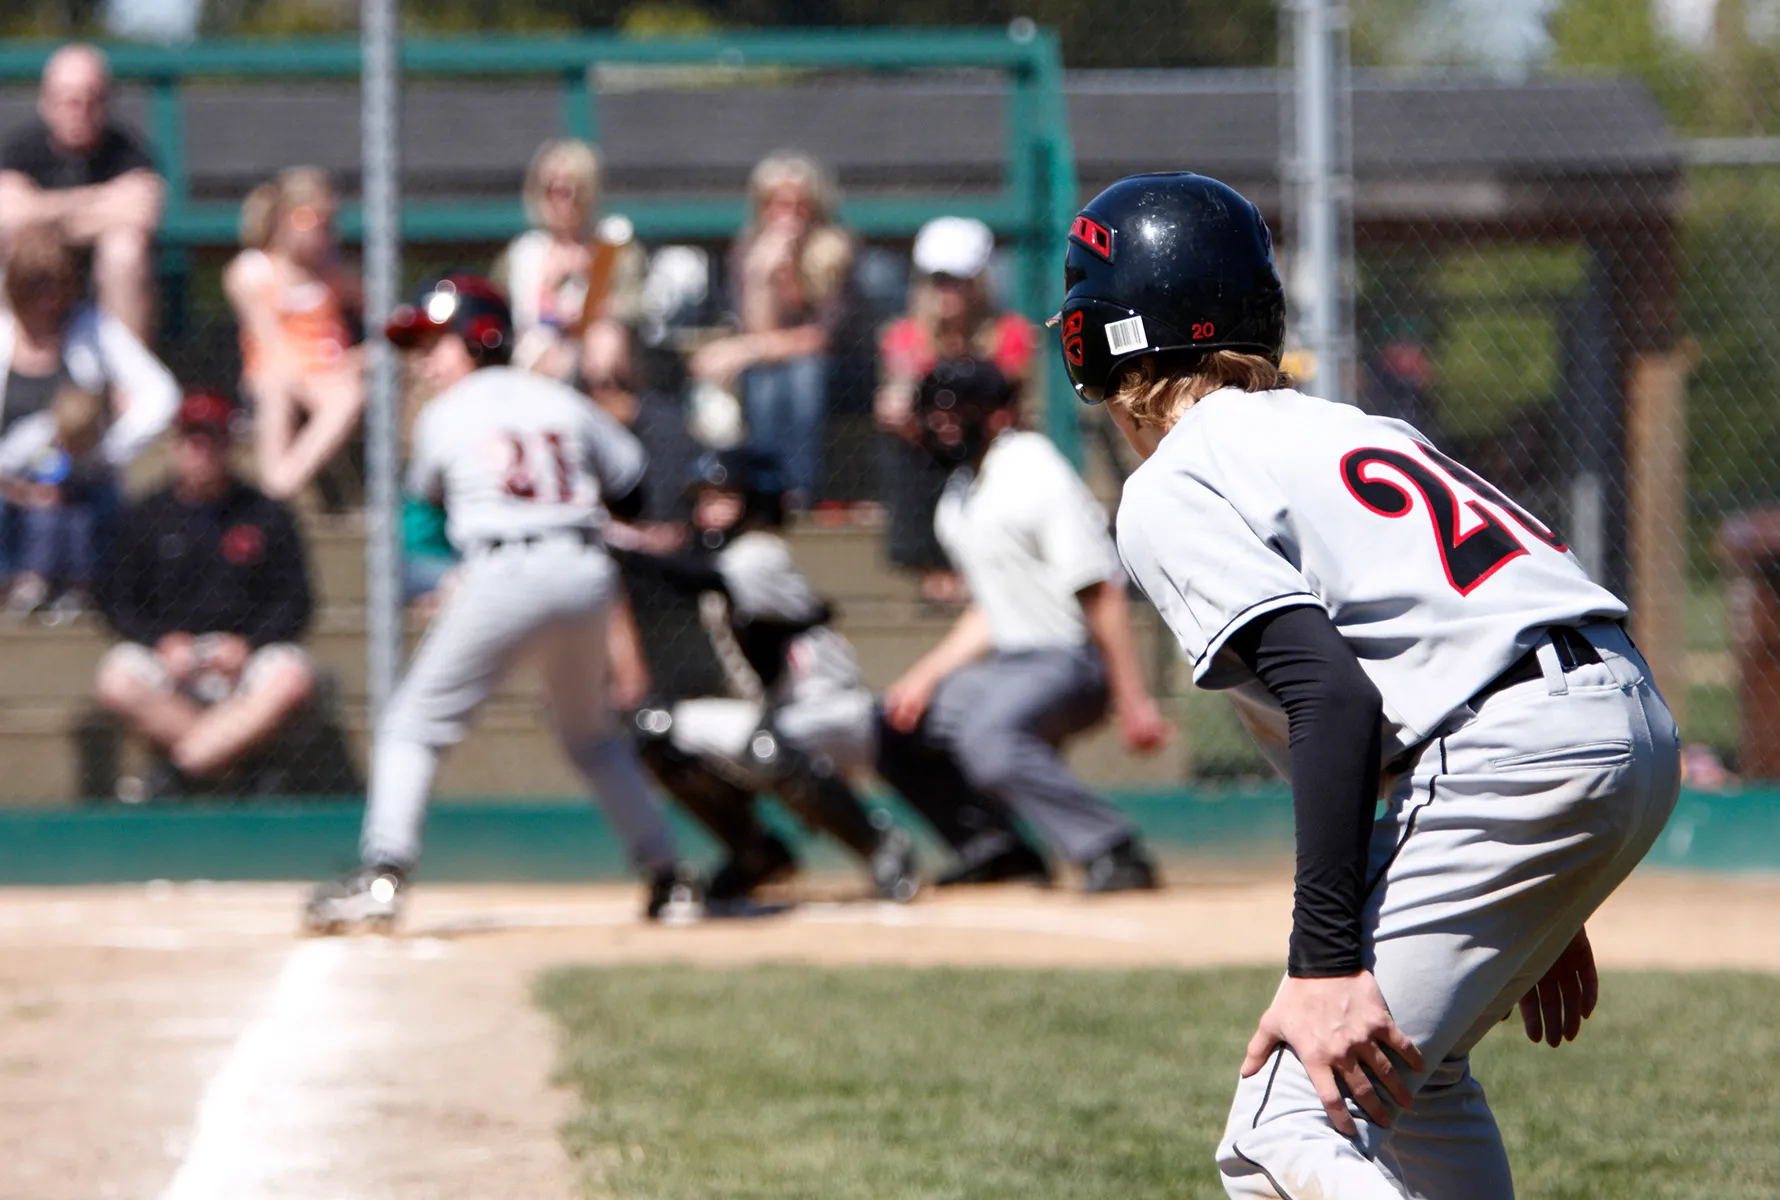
pixel 1469 555
pixel 538 467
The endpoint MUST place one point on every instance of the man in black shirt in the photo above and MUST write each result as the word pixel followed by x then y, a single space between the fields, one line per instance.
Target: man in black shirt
pixel 209 590
pixel 92 179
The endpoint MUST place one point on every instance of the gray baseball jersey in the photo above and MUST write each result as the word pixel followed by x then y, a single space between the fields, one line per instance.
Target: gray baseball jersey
pixel 510 453
pixel 1438 581
pixel 1028 536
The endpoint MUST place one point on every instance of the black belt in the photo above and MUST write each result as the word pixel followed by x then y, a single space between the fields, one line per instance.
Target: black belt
pixel 1573 650
pixel 587 537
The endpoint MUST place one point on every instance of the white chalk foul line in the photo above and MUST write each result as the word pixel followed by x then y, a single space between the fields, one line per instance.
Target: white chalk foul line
pixel 231 1156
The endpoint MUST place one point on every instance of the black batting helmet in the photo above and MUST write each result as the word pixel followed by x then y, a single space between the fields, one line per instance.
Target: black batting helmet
pixel 1171 264
pixel 467 305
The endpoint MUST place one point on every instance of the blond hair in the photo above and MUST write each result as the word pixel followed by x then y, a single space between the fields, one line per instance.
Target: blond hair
pixel 827 251
pixel 1154 398
pixel 274 200
pixel 567 156
pixel 79 416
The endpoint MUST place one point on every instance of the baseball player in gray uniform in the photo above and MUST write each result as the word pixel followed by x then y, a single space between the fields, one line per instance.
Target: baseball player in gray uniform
pixel 1393 628
pixel 527 470
pixel 800 720
pixel 1044 644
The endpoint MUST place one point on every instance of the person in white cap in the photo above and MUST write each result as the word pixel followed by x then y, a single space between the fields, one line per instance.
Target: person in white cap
pixel 952 315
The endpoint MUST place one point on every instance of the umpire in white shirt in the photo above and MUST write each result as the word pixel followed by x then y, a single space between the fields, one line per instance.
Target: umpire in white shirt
pixel 972 730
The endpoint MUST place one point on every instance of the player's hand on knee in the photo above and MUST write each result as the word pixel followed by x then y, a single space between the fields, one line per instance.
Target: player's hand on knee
pixel 1340 1030
pixel 1554 1009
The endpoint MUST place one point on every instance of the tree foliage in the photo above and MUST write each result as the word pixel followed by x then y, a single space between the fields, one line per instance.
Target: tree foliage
pixel 1229 34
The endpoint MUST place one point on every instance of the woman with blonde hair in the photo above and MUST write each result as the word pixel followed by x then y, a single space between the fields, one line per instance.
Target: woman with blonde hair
pixel 295 298
pixel 952 316
pixel 790 272
pixel 548 270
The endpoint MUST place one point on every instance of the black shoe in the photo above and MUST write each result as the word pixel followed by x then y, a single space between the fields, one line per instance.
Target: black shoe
pixel 1022 864
pixel 1124 868
pixel 368 899
pixel 893 867
pixel 736 879
pixel 674 897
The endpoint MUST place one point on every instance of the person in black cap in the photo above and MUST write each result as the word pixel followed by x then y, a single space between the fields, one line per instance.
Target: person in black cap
pixel 209 589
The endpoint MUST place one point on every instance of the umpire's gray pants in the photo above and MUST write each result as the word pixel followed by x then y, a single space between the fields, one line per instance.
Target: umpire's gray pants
pixel 1001 721
pixel 550 600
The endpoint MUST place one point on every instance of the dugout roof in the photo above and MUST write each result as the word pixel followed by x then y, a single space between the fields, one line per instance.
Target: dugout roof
pixel 1427 149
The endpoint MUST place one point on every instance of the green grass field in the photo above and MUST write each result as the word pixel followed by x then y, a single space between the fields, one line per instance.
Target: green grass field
pixel 783 1082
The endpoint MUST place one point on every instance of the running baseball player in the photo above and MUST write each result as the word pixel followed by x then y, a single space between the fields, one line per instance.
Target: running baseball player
pixel 1392 627
pixel 800 720
pixel 527 470
pixel 972 729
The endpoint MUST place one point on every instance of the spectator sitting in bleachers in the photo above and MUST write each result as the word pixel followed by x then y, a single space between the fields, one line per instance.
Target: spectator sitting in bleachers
pixel 296 302
pixel 50 469
pixel 49 339
pixel 209 590
pixel 549 269
pixel 951 316
pixel 790 276
pixel 91 179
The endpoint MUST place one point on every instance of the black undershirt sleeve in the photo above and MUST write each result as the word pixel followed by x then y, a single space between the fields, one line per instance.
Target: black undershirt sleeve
pixel 690 573
pixel 629 506
pixel 1333 711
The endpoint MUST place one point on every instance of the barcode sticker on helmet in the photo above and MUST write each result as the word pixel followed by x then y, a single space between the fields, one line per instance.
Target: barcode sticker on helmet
pixel 1122 337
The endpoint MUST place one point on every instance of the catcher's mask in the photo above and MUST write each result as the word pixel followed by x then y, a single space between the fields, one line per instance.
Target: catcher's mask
pixel 954 404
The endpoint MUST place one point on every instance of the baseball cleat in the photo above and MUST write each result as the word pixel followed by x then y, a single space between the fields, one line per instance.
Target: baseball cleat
pixel 1124 868
pixel 1022 864
pixel 367 900
pixel 737 878
pixel 893 873
pixel 674 897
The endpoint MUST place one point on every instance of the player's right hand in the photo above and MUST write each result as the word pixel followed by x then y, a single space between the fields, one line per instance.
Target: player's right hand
pixel 906 700
pixel 1340 1029
pixel 1554 1009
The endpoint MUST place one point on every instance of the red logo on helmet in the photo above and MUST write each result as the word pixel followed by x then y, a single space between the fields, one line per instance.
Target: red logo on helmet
pixel 1072 338
pixel 485 333
pixel 1091 234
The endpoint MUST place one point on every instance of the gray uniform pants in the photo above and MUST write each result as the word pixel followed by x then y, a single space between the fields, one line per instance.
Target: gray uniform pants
pixel 550 600
pixel 1510 830
pixel 1000 721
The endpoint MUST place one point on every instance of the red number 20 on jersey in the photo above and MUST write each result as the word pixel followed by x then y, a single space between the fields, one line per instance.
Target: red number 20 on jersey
pixel 1469 557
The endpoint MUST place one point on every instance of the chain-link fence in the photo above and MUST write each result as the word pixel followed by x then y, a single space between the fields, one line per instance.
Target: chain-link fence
pixel 1553 277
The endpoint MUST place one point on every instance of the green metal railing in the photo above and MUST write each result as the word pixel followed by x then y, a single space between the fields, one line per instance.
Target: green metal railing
pixel 1030 212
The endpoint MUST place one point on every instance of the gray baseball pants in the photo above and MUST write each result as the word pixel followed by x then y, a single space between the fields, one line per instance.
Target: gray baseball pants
pixel 550 600
pixel 1512 827
pixel 1000 721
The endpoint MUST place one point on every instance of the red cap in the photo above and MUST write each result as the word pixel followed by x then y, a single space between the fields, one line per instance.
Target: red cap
pixel 207 412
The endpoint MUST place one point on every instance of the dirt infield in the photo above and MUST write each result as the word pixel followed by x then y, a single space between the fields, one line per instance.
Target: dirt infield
pixel 177 1042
